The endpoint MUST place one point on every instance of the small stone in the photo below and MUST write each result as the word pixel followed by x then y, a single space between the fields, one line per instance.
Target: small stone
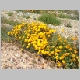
pixel 24 66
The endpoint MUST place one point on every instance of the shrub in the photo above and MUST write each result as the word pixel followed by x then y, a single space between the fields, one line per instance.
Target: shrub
pixel 62 15
pixel 4 36
pixel 10 14
pixel 37 37
pixel 69 25
pixel 27 17
pixel 17 11
pixel 49 19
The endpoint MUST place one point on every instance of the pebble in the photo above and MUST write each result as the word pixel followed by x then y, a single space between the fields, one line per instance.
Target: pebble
pixel 14 60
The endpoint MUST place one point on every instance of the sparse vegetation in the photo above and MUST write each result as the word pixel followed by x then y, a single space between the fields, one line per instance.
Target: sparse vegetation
pixel 27 17
pixel 69 25
pixel 49 19
pixel 62 15
pixel 11 22
pixel 4 36
pixel 10 14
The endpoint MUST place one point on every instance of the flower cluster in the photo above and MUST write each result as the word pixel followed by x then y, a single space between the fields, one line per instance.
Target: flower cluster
pixel 47 42
pixel 35 34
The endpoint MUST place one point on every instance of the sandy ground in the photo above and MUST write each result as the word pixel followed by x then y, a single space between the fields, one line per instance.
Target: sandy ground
pixel 14 58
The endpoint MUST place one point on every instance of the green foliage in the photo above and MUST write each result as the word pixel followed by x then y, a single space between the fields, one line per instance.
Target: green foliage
pixel 62 15
pixel 27 17
pixel 10 14
pixel 4 36
pixel 17 11
pixel 4 30
pixel 69 25
pixel 49 19
pixel 36 11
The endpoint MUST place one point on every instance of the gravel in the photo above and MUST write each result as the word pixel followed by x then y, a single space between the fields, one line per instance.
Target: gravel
pixel 14 58
pixel 68 32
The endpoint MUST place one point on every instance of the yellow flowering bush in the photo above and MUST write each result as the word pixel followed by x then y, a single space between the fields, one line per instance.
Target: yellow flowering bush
pixel 36 36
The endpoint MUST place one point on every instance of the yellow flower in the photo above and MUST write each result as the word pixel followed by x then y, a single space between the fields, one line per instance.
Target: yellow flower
pixel 64 40
pixel 20 37
pixel 29 40
pixel 77 57
pixel 61 58
pixel 56 57
pixel 73 59
pixel 28 35
pixel 51 30
pixel 26 40
pixel 75 38
pixel 59 64
pixel 60 38
pixel 60 47
pixel 42 51
pixel 8 33
pixel 75 51
pixel 46 52
pixel 56 54
pixel 48 35
pixel 63 62
pixel 45 27
pixel 53 46
pixel 28 44
pixel 38 30
pixel 39 52
pixel 19 26
pixel 68 46
pixel 73 55
pixel 66 54
pixel 49 54
pixel 52 52
pixel 56 50
pixel 36 47
pixel 38 44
